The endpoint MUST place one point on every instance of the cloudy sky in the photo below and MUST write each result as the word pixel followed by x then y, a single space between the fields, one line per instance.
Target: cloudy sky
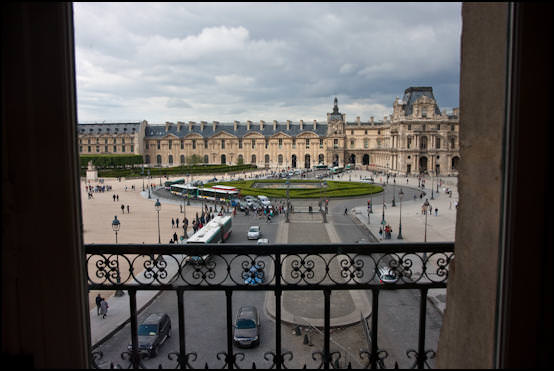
pixel 261 61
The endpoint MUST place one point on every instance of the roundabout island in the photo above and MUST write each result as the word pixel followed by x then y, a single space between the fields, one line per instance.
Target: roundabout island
pixel 301 188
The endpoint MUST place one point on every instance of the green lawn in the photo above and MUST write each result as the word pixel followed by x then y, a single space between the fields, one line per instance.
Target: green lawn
pixel 333 189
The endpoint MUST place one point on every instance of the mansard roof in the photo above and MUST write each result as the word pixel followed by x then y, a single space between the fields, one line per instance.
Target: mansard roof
pixel 108 128
pixel 412 94
pixel 159 131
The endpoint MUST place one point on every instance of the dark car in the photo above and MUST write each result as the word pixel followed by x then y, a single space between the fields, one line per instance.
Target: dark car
pixel 247 327
pixel 153 332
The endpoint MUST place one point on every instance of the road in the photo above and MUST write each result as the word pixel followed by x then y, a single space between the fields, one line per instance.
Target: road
pixel 205 314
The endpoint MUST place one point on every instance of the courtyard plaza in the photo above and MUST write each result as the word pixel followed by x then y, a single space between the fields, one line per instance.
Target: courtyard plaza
pixel 140 226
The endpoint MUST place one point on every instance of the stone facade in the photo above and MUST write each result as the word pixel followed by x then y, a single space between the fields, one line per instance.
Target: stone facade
pixel 416 138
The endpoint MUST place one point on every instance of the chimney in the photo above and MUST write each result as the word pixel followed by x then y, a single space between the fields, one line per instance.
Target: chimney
pixel 288 124
pixel 301 124
pixel 202 124
pixel 167 125
pixel 215 123
pixel 262 122
pixel 274 125
pixel 358 120
pixel 191 123
pixel 235 125
pixel 248 123
pixel 371 120
pixel 315 124
pixel 180 125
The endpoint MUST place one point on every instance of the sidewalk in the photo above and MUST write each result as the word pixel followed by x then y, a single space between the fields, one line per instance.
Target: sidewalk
pixel 440 227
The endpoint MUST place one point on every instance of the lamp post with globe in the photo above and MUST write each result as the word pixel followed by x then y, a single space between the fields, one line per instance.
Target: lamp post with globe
pixel 400 195
pixel 115 227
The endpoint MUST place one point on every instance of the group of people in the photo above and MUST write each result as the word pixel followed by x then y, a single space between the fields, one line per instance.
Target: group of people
pixel 387 231
pixel 96 189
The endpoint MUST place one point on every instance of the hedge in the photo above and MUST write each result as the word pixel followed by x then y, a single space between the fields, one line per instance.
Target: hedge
pixel 333 189
pixel 178 170
pixel 110 161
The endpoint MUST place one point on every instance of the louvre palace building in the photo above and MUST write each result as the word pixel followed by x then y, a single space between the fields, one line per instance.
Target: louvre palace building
pixel 416 138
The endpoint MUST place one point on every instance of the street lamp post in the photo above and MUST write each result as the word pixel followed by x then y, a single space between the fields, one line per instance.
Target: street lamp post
pixel 148 171
pixel 288 201
pixel 142 173
pixel 184 216
pixel 394 194
pixel 115 227
pixel 323 211
pixel 400 195
pixel 383 218
pixel 432 186
pixel 158 207
pixel 426 206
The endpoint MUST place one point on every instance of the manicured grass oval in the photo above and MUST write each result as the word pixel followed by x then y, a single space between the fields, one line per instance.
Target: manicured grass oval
pixel 333 188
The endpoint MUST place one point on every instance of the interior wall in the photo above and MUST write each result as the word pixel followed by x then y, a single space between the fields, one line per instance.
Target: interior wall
pixel 469 320
pixel 43 303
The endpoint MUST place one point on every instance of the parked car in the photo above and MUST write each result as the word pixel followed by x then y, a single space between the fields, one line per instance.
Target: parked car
pixel 152 333
pixel 247 327
pixel 386 275
pixel 254 232
pixel 263 241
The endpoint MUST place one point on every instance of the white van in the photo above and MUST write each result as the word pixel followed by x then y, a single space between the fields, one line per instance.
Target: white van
pixel 264 200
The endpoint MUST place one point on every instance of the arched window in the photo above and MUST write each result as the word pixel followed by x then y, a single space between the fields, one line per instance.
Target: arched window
pixel 170 159
pixel 423 143
pixel 240 160
pixel 253 160
pixel 206 159
pixel 280 160
pixel 266 160
pixel 182 159
pixel 159 159
pixel 147 159
pixel 223 159
pixel 321 158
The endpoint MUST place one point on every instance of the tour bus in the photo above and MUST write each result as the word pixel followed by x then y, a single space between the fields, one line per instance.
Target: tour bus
pixel 217 194
pixel 337 169
pixel 184 190
pixel 169 183
pixel 349 166
pixel 217 230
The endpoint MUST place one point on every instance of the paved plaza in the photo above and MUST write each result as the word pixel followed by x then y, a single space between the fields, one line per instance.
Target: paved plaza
pixel 140 225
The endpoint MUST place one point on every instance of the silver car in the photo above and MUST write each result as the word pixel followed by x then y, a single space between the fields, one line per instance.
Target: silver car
pixel 247 327
pixel 254 232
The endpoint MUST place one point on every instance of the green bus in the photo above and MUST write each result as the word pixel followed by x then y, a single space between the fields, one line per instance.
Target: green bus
pixel 169 183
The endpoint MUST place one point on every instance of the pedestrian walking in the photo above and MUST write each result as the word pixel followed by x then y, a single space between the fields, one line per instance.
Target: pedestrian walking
pixel 175 237
pixel 127 209
pixel 172 223
pixel 104 308
pixel 114 198
pixel 436 212
pixel 117 197
pixel 123 208
pixel 98 303
pixel 345 211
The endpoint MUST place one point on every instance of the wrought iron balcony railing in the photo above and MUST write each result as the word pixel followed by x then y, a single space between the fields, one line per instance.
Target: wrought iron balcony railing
pixel 276 268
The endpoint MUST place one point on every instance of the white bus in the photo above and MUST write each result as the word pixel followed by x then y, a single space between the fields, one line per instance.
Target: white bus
pixel 218 194
pixel 336 170
pixel 184 190
pixel 216 231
